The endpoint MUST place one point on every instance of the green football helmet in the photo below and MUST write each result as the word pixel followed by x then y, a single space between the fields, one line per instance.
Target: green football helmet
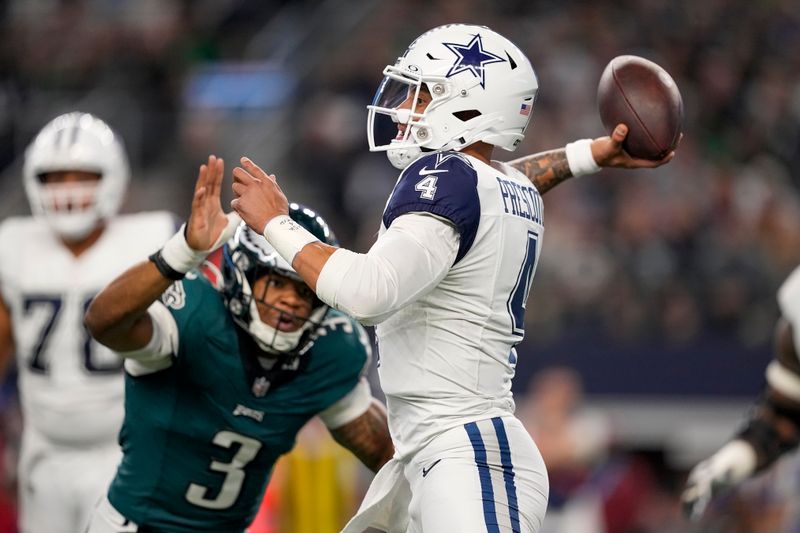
pixel 247 257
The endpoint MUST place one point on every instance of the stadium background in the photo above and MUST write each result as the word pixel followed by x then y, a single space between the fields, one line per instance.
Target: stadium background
pixel 655 294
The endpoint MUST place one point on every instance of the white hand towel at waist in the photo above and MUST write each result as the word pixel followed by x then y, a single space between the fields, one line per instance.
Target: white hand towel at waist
pixel 385 505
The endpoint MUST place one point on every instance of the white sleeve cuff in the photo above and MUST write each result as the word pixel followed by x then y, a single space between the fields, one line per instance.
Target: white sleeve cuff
pixel 580 159
pixel 287 236
pixel 157 354
pixel 182 258
pixel 354 404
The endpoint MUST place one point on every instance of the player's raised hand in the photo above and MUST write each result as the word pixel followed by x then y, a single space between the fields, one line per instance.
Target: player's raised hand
pixel 608 152
pixel 207 222
pixel 699 490
pixel 259 199
pixel 729 466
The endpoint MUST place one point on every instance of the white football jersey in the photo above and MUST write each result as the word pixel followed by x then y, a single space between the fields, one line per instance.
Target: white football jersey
pixel 71 387
pixel 448 358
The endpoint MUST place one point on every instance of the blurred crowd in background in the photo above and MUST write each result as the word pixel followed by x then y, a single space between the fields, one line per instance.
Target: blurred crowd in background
pixel 654 286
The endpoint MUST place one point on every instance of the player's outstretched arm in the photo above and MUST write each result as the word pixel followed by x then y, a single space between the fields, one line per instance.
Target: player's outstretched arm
pixel 368 437
pixel 772 430
pixel 118 316
pixel 548 169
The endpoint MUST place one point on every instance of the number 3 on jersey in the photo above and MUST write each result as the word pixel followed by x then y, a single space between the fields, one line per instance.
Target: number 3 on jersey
pixel 233 470
pixel 518 298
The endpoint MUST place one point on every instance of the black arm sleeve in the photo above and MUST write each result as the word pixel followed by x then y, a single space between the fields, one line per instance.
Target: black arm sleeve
pixel 773 429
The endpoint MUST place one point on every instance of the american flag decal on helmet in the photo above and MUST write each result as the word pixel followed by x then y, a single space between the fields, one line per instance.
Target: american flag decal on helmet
pixel 525 109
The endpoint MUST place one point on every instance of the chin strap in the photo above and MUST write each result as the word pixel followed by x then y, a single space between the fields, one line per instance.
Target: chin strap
pixel 400 158
pixel 274 341
pixel 271 339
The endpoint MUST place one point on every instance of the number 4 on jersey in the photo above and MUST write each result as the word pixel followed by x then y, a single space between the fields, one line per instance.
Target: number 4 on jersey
pixel 427 186
pixel 518 298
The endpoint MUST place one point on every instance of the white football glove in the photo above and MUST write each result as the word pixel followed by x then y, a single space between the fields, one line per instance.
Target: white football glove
pixel 731 465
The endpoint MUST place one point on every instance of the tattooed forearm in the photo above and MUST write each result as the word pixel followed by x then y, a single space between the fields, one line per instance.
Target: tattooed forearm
pixel 368 437
pixel 545 169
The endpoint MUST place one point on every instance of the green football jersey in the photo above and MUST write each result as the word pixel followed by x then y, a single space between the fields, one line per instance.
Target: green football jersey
pixel 199 444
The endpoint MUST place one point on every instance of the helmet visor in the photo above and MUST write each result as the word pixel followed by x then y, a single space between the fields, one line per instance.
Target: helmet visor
pixel 393 109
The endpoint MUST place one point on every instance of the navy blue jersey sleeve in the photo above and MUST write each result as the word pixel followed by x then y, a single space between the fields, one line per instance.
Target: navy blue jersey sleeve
pixel 443 184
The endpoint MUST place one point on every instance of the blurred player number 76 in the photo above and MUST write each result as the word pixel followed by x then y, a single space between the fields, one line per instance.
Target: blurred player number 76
pixel 642 95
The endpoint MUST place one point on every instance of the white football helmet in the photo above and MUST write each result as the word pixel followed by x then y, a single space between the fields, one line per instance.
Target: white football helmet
pixel 482 86
pixel 76 142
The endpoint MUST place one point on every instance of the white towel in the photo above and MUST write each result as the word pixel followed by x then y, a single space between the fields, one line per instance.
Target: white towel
pixel 385 505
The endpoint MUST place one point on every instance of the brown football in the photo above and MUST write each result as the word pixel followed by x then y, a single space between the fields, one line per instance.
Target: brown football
pixel 642 95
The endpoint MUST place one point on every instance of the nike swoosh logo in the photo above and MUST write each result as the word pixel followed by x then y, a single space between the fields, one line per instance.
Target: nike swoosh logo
pixel 424 171
pixel 426 470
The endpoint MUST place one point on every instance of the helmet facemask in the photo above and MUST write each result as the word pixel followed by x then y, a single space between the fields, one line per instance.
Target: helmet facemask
pixel 291 328
pixel 397 103
pixel 247 259
pixel 70 207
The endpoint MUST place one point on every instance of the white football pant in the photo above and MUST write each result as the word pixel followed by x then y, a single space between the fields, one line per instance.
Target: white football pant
pixel 483 477
pixel 59 487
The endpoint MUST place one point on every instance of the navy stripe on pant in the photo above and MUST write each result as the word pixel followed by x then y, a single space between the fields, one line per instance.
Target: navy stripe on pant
pixel 508 473
pixel 487 492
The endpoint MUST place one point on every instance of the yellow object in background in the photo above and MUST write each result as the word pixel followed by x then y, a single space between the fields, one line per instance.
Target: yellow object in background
pixel 315 488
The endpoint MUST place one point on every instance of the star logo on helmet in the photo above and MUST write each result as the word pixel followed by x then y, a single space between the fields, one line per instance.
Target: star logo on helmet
pixel 471 57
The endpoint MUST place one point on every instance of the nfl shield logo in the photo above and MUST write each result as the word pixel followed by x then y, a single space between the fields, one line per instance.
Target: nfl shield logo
pixel 260 386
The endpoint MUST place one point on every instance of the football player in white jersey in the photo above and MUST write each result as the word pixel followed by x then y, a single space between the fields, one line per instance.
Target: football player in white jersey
pixel 447 280
pixel 51 265
pixel 773 427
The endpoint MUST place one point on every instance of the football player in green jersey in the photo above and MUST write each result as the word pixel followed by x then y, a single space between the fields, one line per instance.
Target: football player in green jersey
pixel 220 380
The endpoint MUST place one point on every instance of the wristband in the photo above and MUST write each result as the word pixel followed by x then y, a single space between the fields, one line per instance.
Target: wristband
pixel 287 236
pixel 580 159
pixel 178 255
pixel 165 270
